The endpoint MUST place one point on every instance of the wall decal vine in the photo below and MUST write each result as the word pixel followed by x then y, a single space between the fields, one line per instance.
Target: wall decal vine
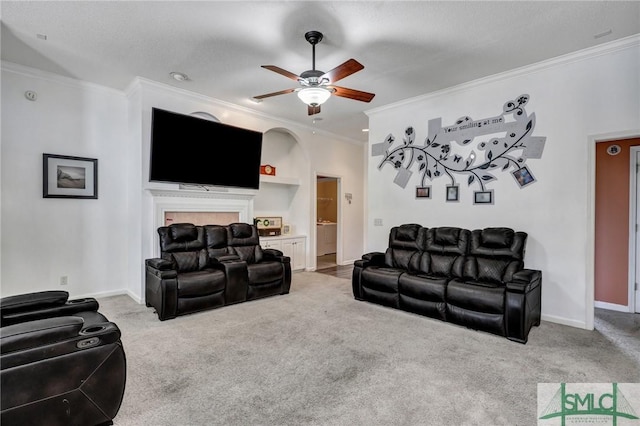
pixel 507 144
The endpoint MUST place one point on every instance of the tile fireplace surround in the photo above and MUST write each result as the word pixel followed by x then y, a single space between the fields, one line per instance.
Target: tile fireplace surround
pixel 228 206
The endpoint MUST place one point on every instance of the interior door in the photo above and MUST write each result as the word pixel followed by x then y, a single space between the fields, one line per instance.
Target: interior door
pixel 637 233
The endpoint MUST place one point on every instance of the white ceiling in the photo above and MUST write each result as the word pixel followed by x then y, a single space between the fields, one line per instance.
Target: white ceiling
pixel 407 48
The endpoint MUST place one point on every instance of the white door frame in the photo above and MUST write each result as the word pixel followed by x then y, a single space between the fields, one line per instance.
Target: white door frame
pixel 591 213
pixel 315 217
pixel 634 169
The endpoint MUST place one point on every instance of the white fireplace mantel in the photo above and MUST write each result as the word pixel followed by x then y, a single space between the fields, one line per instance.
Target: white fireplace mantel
pixel 183 200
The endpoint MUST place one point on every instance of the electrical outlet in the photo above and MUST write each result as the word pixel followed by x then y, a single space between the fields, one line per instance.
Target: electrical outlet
pixel 64 280
pixel 377 222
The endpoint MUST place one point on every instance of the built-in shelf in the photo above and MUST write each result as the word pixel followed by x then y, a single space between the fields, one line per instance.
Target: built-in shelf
pixel 278 180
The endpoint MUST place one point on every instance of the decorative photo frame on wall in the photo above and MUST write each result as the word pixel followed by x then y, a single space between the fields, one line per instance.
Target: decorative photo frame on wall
pixel 523 176
pixel 423 192
pixel 483 197
pixel 453 193
pixel 64 176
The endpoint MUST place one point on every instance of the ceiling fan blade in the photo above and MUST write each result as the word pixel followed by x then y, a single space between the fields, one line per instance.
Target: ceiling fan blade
pixel 352 93
pixel 268 95
pixel 313 109
pixel 341 71
pixel 280 71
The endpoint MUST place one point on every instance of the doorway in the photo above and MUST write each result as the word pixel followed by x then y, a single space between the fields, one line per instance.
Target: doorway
pixel 617 245
pixel 327 214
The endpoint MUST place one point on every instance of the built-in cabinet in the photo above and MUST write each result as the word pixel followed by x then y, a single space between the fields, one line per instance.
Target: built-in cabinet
pixel 292 246
pixel 327 238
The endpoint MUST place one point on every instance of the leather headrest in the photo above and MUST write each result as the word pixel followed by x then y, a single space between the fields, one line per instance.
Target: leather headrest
pixel 241 230
pixel 407 232
pixel 183 232
pixel 446 236
pixel 215 236
pixel 497 237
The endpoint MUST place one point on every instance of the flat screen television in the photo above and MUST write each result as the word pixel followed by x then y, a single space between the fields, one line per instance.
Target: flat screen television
pixel 191 150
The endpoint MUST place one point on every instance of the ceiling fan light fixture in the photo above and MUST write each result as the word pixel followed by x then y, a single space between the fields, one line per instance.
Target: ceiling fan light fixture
pixel 314 96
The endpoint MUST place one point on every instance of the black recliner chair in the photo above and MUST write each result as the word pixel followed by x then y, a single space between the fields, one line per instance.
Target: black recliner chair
pixel 496 293
pixel 183 280
pixel 61 361
pixel 268 271
pixel 376 275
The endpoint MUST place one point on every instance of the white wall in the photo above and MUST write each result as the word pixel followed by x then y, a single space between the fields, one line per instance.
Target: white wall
pixel 100 245
pixel 315 152
pixel 574 97
pixel 44 239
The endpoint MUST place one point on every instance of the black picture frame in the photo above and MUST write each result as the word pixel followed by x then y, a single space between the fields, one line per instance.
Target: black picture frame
pixel 64 176
pixel 483 197
pixel 423 192
pixel 453 193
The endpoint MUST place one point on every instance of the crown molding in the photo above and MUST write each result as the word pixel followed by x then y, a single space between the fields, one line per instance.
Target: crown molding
pixel 140 82
pixel 625 43
pixel 56 78
pixel 133 87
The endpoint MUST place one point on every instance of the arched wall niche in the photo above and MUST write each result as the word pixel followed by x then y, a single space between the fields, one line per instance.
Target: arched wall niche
pixel 280 136
pixel 282 149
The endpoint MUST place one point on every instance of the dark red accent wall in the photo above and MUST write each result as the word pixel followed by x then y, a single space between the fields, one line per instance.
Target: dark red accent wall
pixel 612 222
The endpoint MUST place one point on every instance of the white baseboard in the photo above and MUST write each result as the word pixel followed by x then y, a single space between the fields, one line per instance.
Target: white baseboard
pixel 565 321
pixel 108 294
pixel 137 299
pixel 612 306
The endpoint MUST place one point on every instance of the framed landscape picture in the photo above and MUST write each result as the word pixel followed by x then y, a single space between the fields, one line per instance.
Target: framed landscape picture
pixel 483 197
pixel 69 177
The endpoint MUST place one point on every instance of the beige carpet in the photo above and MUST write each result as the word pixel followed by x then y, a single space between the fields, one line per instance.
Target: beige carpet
pixel 318 357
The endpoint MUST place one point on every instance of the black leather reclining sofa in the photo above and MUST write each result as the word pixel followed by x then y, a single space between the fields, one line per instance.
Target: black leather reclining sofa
pixel 474 278
pixel 62 361
pixel 205 267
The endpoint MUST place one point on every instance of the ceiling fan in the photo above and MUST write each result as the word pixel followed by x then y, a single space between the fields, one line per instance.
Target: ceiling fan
pixel 317 86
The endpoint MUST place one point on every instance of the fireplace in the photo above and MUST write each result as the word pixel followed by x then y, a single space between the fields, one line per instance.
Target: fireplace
pixel 199 208
pixel 201 218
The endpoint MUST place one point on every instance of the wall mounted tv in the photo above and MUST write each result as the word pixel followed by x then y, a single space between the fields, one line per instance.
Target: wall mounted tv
pixel 191 150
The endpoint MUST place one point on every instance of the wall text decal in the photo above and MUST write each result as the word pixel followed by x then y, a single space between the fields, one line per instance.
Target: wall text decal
pixel 505 142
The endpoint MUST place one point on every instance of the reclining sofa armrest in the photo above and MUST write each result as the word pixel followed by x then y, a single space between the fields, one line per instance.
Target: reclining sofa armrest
pixel 35 300
pixel 161 268
pixel 34 341
pixel 272 254
pixel 161 290
pixel 159 264
pixel 39 333
pixel 375 258
pixel 224 258
pixel 525 280
pixel 236 276
pixel 40 305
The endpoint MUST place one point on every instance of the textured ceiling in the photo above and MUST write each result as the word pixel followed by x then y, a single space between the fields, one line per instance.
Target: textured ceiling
pixel 407 48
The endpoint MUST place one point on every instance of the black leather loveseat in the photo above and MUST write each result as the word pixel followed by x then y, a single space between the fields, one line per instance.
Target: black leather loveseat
pixel 204 267
pixel 61 361
pixel 474 278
